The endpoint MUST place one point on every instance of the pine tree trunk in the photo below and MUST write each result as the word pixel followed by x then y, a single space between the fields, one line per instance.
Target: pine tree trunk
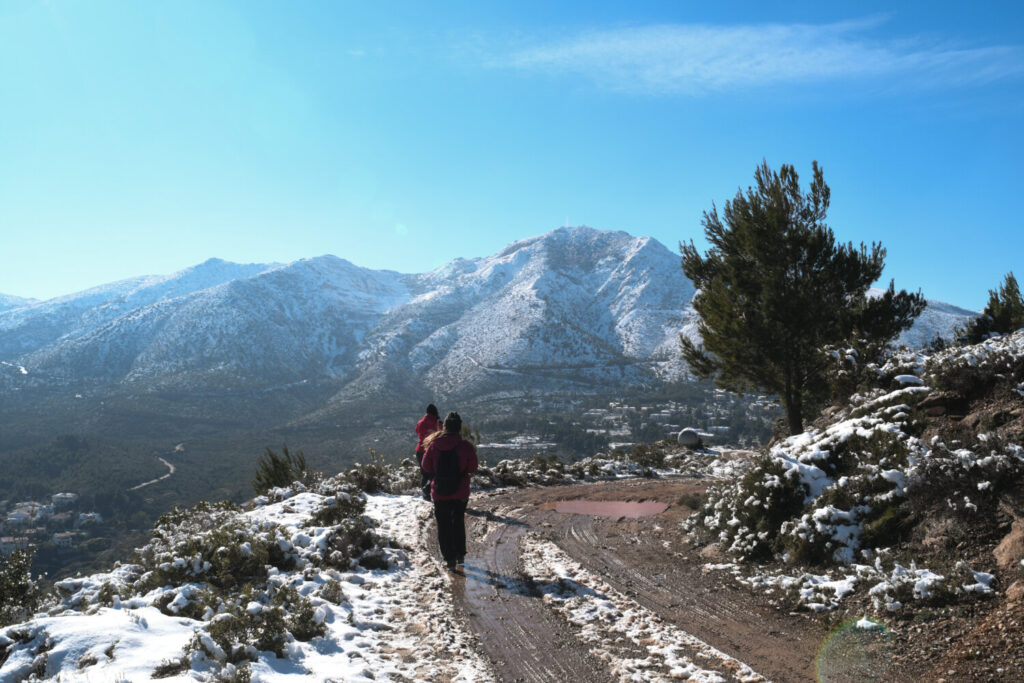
pixel 794 411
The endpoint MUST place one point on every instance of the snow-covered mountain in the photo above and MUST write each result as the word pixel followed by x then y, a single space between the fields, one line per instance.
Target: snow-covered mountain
pixel 35 325
pixel 9 301
pixel 573 309
pixel 938 320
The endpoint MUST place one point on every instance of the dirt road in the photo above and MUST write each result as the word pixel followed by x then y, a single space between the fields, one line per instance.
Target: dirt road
pixel 170 471
pixel 646 559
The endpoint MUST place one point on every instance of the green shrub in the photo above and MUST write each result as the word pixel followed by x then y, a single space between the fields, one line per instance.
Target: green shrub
pixel 277 471
pixel 265 630
pixel 371 477
pixel 199 601
pixel 546 464
pixel 202 516
pixel 332 592
pixel 694 501
pixel 171 667
pixel 105 595
pixel 20 593
pixel 887 527
pixel 302 616
pixel 648 454
pixel 1004 313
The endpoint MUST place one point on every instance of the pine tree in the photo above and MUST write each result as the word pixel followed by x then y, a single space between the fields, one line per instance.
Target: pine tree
pixel 275 471
pixel 774 290
pixel 1003 314
pixel 19 591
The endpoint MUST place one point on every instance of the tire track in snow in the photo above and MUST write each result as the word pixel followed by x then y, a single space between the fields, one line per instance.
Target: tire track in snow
pixel 608 618
pixel 681 595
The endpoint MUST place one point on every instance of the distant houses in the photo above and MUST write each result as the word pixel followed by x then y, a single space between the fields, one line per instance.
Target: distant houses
pixel 62 518
pixel 65 539
pixel 64 499
pixel 18 518
pixel 34 523
pixel 89 518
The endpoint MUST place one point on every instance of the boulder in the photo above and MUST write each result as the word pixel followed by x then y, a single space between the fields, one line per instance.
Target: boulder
pixel 689 438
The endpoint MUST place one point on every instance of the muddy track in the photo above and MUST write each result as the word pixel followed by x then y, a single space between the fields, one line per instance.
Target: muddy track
pixel 645 559
pixel 774 645
pixel 520 636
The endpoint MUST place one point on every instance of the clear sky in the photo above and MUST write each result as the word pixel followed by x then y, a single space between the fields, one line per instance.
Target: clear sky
pixel 146 137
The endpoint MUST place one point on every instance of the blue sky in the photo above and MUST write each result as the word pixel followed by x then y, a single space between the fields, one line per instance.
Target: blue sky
pixel 145 137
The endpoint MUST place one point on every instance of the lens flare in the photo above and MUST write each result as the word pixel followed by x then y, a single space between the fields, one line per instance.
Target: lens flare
pixel 856 650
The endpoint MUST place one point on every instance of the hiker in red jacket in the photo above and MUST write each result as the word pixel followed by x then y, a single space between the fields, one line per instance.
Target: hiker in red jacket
pixel 450 459
pixel 428 425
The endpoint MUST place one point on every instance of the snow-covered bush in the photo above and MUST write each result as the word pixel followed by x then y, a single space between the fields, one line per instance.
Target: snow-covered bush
pixel 861 483
pixel 377 476
pixel 905 585
pixel 210 543
pixel 257 621
pixel 971 370
pixel 810 495
pixel 344 501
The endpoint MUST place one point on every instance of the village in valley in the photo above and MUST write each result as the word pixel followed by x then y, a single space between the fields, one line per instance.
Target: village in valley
pixel 59 524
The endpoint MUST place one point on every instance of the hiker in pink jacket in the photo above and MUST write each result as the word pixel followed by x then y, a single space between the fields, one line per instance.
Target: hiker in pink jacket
pixel 450 460
pixel 428 425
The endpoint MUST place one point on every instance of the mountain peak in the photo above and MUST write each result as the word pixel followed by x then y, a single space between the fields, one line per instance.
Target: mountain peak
pixel 574 307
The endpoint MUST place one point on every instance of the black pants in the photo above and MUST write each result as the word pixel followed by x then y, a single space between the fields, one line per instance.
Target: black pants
pixel 424 477
pixel 451 528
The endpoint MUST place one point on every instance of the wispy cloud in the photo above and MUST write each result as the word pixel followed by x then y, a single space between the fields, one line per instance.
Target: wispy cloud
pixel 693 59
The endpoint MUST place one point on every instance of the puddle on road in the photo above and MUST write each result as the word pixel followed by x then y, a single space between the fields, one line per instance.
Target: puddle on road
pixel 607 508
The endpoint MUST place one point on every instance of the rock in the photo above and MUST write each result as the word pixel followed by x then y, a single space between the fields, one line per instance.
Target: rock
pixel 1010 550
pixel 689 438
pixel 951 401
pixel 1016 591
pixel 972 421
pixel 712 552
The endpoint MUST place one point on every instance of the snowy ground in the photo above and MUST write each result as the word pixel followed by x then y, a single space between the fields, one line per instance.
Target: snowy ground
pixel 394 624
pixel 608 619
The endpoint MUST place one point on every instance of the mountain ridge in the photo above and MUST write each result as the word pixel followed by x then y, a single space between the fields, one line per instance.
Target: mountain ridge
pixel 571 310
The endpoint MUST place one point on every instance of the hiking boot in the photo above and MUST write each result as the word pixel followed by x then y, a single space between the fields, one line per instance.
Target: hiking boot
pixel 461 560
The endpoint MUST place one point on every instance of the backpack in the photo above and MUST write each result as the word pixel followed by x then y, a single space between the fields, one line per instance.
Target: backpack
pixel 448 475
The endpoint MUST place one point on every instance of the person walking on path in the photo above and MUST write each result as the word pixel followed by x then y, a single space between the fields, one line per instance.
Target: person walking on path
pixel 428 425
pixel 450 460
